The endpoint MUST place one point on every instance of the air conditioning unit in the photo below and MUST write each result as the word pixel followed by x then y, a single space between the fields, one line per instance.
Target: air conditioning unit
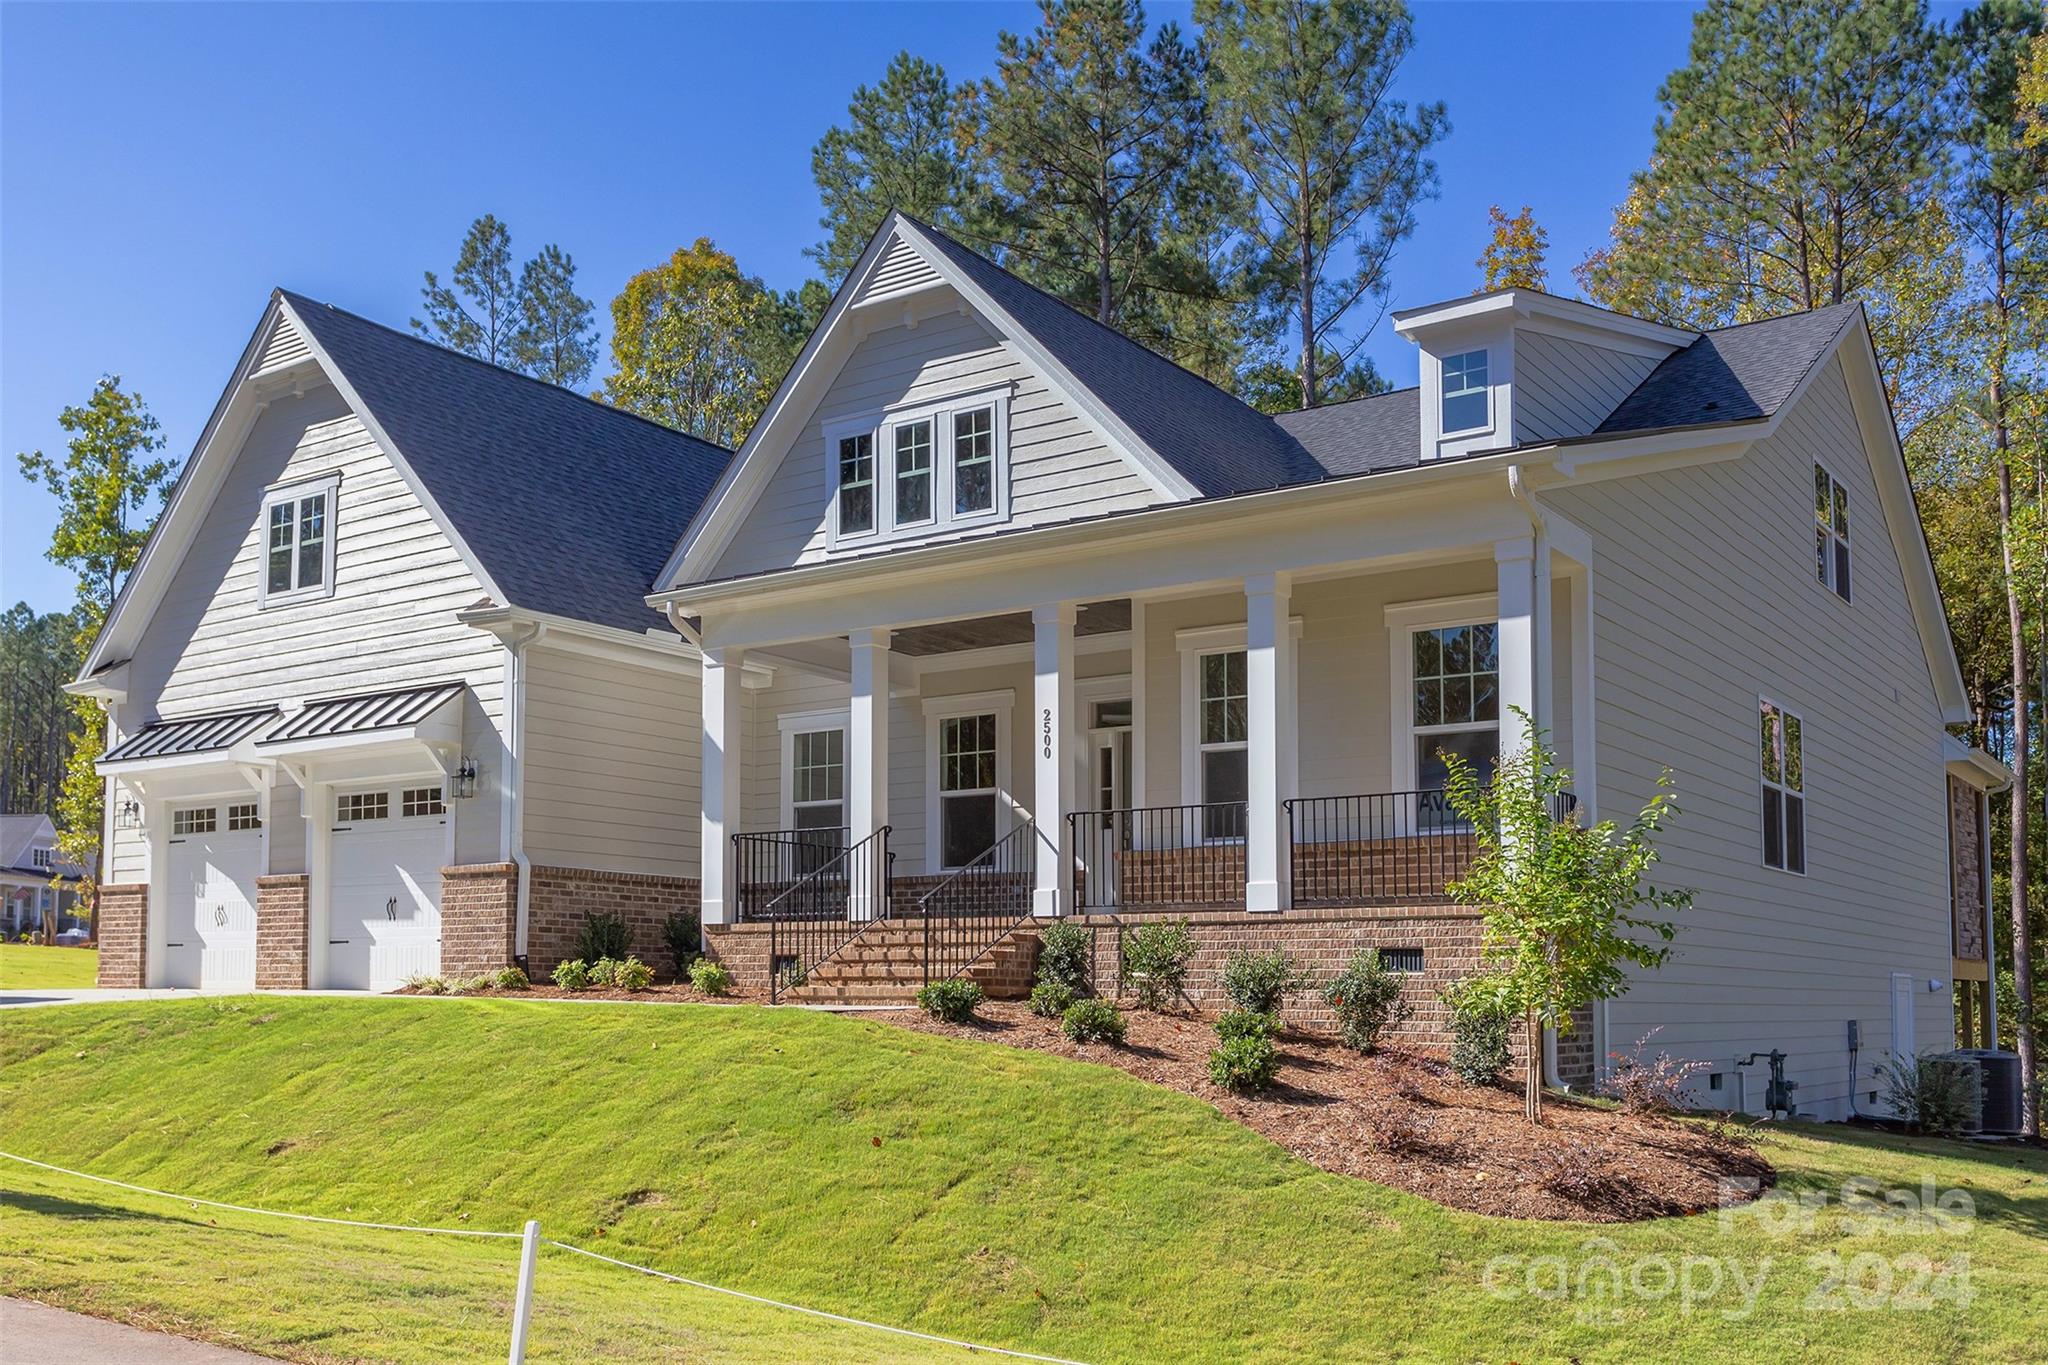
pixel 1998 1088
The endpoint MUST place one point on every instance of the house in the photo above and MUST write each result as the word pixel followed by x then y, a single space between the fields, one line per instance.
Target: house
pixel 998 617
pixel 36 880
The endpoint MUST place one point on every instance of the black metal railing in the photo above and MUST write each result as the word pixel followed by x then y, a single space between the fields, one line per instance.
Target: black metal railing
pixel 1383 848
pixel 976 907
pixel 825 909
pixel 768 864
pixel 1158 856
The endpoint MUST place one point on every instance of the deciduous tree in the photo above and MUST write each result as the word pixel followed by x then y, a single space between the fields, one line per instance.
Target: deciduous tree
pixel 696 344
pixel 1514 255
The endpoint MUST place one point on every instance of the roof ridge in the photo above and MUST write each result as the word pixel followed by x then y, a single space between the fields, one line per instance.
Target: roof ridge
pixel 1780 317
pixel 1343 402
pixel 506 370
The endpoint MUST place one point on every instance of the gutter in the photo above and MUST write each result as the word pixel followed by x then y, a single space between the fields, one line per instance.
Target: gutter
pixel 512 831
pixel 1540 658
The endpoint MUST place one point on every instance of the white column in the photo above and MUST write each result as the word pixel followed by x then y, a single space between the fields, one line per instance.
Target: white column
pixel 1052 722
pixel 1269 725
pixel 719 765
pixel 1514 563
pixel 867 754
pixel 316 804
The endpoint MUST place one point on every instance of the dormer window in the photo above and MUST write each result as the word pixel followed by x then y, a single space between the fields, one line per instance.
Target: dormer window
pixel 298 541
pixel 1464 389
pixel 937 466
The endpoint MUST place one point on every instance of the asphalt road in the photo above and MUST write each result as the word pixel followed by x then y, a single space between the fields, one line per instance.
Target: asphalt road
pixel 33 1334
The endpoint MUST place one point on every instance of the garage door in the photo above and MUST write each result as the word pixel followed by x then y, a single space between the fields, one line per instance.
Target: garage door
pixel 214 851
pixel 384 925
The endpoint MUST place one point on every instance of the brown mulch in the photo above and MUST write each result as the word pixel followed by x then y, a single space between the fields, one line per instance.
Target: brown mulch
pixel 661 993
pixel 1403 1119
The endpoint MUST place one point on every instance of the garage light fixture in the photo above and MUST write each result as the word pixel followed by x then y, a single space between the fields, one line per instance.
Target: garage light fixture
pixel 462 783
pixel 128 815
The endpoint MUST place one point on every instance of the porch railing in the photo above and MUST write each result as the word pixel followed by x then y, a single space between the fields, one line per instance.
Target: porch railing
pixel 976 907
pixel 1158 856
pixel 767 864
pixel 825 909
pixel 1384 848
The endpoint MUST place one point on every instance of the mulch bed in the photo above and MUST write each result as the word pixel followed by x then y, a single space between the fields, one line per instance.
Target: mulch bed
pixel 661 993
pixel 1403 1119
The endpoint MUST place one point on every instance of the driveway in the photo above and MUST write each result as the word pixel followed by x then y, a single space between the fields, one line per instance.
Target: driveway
pixel 35 1334
pixel 93 995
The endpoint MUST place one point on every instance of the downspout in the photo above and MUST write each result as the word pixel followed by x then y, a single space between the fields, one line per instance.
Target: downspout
pixel 515 780
pixel 1540 659
pixel 683 626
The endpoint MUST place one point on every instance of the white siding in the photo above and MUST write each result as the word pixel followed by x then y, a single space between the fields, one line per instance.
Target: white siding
pixel 900 271
pixel 1567 388
pixel 1705 598
pixel 612 774
pixel 1060 467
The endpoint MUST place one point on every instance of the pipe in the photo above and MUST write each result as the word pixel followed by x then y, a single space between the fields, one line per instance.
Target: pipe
pixel 514 829
pixel 1540 661
pixel 682 624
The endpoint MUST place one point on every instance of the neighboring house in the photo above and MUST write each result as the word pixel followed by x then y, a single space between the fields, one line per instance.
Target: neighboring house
pixel 35 879
pixel 1000 615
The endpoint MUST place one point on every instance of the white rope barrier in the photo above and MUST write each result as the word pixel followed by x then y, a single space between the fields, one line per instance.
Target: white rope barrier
pixel 526 1267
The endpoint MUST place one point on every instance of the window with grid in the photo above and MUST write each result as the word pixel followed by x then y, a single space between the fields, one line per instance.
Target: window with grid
pixel 967 788
pixel 914 472
pixel 1831 532
pixel 1464 396
pixel 1456 707
pixel 358 806
pixel 193 820
pixel 1783 757
pixel 414 801
pixel 43 858
pixel 856 483
pixel 243 817
pixel 817 794
pixel 1226 777
pixel 295 557
pixel 974 461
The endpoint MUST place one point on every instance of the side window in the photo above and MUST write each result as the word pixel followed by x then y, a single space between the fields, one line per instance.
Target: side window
pixel 298 542
pixel 1226 778
pixel 967 788
pixel 1782 754
pixel 1464 392
pixel 1831 532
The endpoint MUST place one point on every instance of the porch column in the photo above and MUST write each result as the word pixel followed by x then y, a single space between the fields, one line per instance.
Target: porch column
pixel 867 751
pixel 1052 761
pixel 1521 679
pixel 719 766
pixel 1269 739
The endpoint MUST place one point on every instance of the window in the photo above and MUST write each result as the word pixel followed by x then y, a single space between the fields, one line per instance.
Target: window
pixel 817 783
pixel 243 817
pixel 298 545
pixel 1113 714
pixel 1831 532
pixel 1455 704
pixel 1226 781
pixel 193 820
pixel 974 461
pixel 1784 787
pixel 967 787
pixel 415 801
pixel 357 806
pixel 856 483
pixel 913 473
pixel 42 857
pixel 1464 386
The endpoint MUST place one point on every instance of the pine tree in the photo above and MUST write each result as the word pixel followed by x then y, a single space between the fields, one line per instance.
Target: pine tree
pixel 1514 256
pixel 478 312
pixel 556 339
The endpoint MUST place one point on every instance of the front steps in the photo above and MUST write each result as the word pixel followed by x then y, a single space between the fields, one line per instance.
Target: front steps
pixel 885 966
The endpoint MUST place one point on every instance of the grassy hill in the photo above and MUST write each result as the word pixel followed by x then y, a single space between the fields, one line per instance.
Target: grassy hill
pixel 977 1191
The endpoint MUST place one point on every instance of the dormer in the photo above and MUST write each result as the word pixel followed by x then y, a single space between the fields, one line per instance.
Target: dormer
pixel 1518 366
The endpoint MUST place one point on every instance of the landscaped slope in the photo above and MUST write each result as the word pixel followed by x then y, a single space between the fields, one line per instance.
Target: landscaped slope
pixel 1005 1196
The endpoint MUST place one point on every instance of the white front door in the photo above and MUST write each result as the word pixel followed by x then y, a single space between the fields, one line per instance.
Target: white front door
pixel 214 850
pixel 384 920
pixel 1105 837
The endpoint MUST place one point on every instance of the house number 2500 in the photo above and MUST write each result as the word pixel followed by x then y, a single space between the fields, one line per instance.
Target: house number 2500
pixel 1046 736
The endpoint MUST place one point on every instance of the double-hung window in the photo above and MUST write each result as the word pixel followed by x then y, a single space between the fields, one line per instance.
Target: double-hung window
pixel 921 469
pixel 914 473
pixel 298 541
pixel 856 483
pixel 1464 392
pixel 1831 532
pixel 817 796
pixel 974 461
pixel 1784 787
pixel 967 787
pixel 1226 780
pixel 43 858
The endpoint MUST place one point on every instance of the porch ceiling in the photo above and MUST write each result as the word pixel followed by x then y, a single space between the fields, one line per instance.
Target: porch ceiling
pixel 1013 628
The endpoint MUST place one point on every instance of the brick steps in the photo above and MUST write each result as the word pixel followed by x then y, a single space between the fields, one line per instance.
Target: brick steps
pixel 885 965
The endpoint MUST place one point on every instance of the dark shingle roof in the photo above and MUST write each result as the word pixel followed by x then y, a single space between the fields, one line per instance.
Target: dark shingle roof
pixel 1361 436
pixel 1734 374
pixel 572 506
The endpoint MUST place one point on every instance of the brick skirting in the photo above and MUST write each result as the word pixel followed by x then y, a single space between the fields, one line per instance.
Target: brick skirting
pixel 123 921
pixel 281 932
pixel 562 896
pixel 479 917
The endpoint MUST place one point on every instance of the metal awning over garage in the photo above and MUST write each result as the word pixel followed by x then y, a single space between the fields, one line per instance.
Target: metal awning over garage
pixel 364 713
pixel 192 738
pixel 372 735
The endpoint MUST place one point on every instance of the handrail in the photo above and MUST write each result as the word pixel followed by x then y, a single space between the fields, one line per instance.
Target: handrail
pixel 826 909
pixel 1159 855
pixel 1380 848
pixel 993 893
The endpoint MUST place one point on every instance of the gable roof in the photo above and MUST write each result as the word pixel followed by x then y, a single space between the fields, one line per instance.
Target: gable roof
pixel 1732 374
pixel 521 467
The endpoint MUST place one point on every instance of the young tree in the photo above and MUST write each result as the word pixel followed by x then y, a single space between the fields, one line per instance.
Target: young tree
pixel 895 152
pixel 696 345
pixel 1514 256
pixel 103 483
pixel 1566 904
pixel 478 312
pixel 556 340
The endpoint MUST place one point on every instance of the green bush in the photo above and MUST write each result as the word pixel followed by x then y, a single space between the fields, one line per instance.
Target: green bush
pixel 1480 1027
pixel 1064 948
pixel 427 985
pixel 602 936
pixel 1093 1021
pixel 709 978
pixel 1155 962
pixel 683 933
pixel 953 1001
pixel 474 985
pixel 1234 1024
pixel 572 975
pixel 1261 981
pixel 605 971
pixel 510 979
pixel 633 975
pixel 1366 998
pixel 1049 999
pixel 1248 1062
pixel 1935 1094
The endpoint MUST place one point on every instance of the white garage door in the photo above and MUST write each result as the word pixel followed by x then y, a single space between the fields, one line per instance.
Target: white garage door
pixel 214 852
pixel 384 924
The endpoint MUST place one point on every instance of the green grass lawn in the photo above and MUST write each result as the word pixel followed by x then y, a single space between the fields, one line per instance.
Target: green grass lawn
pixel 977 1191
pixel 27 966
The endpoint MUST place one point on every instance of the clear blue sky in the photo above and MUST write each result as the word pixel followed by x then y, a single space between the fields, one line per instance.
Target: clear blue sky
pixel 162 167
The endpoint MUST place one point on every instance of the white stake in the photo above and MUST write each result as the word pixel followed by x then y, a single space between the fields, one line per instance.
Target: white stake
pixel 522 1306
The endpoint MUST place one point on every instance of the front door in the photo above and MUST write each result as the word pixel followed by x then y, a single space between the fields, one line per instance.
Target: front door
pixel 1108 834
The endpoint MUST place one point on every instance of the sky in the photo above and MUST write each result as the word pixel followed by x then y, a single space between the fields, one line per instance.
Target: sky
pixel 163 167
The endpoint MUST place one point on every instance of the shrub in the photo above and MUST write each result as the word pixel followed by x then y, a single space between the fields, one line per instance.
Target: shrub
pixel 1232 1025
pixel 1480 1025
pixel 1261 981
pixel 1049 999
pixel 1935 1094
pixel 1064 948
pixel 427 985
pixel 953 1001
pixel 511 979
pixel 1246 1062
pixel 605 971
pixel 1093 1021
pixel 709 978
pixel 475 985
pixel 1648 1085
pixel 602 936
pixel 1366 998
pixel 633 975
pixel 683 933
pixel 1155 962
pixel 572 975
pixel 1402 1130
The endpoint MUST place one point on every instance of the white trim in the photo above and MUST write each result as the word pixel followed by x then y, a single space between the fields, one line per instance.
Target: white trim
pixel 326 485
pixel 1403 619
pixel 880 428
pixel 967 703
pixel 1001 703
pixel 1535 303
pixel 794 723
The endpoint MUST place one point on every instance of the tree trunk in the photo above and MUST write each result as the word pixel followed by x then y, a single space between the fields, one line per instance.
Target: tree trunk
pixel 2022 932
pixel 1532 1089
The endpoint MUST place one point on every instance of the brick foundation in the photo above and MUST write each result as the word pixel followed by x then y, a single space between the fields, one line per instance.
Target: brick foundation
pixel 1578 1056
pixel 281 932
pixel 562 896
pixel 479 916
pixel 123 921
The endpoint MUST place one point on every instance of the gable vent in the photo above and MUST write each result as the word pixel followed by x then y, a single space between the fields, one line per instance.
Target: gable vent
pixel 284 347
pixel 900 271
